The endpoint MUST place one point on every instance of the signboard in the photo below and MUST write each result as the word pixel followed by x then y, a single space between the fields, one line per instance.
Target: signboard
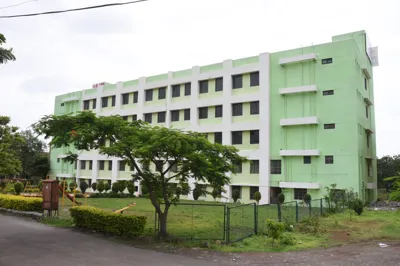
pixel 98 85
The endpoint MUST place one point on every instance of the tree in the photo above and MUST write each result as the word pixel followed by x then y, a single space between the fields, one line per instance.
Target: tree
pixel 94 186
pixel 281 198
pixel 307 198
pixel 257 197
pixel 10 145
pixel 5 54
pixel 131 188
pixel 100 186
pixel 72 186
pixel 39 166
pixel 115 187
pixel 107 187
pixel 83 186
pixel 189 154
pixel 387 166
pixel 235 195
pixel 122 186
pixel 18 188
pixel 215 194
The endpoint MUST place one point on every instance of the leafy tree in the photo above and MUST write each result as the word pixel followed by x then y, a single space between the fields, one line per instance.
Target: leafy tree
pixel 94 186
pixel 281 198
pixel 395 191
pixel 5 54
pixel 18 188
pixel 257 197
pixel 131 188
pixel 235 195
pixel 107 187
pixel 198 191
pixel 10 145
pixel 100 186
pixel 115 187
pixel 3 184
pixel 83 186
pixel 215 194
pixel 39 166
pixel 34 162
pixel 122 186
pixel 189 154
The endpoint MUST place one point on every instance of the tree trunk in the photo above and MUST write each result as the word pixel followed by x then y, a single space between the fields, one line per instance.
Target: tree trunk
pixel 163 217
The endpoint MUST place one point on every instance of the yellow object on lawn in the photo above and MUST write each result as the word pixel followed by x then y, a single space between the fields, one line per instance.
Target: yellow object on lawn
pixel 125 208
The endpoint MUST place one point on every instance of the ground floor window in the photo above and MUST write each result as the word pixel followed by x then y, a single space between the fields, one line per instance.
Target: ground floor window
pixel 252 191
pixel 238 188
pixel 299 193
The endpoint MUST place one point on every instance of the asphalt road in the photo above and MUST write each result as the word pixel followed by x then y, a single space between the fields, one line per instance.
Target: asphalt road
pixel 24 242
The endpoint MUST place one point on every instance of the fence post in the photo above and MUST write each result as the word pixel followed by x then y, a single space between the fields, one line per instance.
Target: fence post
pixel 297 212
pixel 255 218
pixel 228 218
pixel 321 206
pixel 225 222
pixel 279 213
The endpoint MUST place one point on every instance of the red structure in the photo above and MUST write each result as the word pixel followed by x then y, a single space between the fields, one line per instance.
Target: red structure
pixel 50 196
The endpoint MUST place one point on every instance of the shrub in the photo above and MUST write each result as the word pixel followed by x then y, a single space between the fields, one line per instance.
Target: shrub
pixel 131 188
pixel 18 187
pixel 20 203
pixel 287 240
pixel 108 222
pixel 307 198
pixel 83 185
pixel 32 190
pixel 358 206
pixel 3 184
pixel 235 195
pixel 115 187
pixel 100 186
pixel 40 185
pixel 257 196
pixel 281 198
pixel 310 225
pixel 394 196
pixel 72 186
pixel 107 187
pixel 94 186
pixel 122 185
pixel 274 229
pixel 111 195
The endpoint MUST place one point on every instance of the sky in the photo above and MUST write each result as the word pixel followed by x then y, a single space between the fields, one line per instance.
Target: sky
pixel 61 53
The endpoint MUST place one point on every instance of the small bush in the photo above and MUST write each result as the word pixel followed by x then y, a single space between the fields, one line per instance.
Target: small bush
pixel 100 186
pixel 94 186
pixel 115 187
pixel 307 198
pixel 274 229
pixel 83 186
pixel 32 190
pixel 72 186
pixel 235 195
pixel 18 187
pixel 287 240
pixel 106 187
pixel 310 225
pixel 21 203
pixel 108 222
pixel 394 196
pixel 122 185
pixel 257 196
pixel 3 184
pixel 281 198
pixel 358 206
pixel 131 188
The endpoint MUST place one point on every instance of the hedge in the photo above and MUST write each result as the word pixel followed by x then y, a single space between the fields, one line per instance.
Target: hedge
pixel 20 203
pixel 108 222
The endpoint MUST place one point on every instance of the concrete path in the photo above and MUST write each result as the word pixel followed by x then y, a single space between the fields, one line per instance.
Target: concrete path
pixel 25 242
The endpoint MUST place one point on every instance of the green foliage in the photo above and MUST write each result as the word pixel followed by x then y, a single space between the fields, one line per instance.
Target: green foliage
pixel 310 225
pixel 100 186
pixel 83 186
pixel 281 198
pixel 215 193
pixel 394 196
pixel 257 196
pixel 115 187
pixel 40 185
pixel 287 240
pixel 72 186
pixel 107 186
pixel 10 146
pixel 3 184
pixel 274 229
pixel 131 188
pixel 307 198
pixel 358 206
pixel 21 203
pixel 108 222
pixel 18 188
pixel 5 54
pixel 395 191
pixel 94 186
pixel 198 191
pixel 144 188
pixel 235 195
pixel 111 195
pixel 122 185
pixel 387 166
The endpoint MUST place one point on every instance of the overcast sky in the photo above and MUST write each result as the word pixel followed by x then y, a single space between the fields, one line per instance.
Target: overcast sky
pixel 61 53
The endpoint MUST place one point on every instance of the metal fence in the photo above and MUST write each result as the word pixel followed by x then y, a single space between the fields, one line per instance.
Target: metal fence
pixel 241 222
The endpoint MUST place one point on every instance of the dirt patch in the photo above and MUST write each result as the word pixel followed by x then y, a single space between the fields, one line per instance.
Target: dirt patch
pixel 341 236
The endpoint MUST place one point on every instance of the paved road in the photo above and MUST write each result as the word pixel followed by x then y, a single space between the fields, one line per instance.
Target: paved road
pixel 25 242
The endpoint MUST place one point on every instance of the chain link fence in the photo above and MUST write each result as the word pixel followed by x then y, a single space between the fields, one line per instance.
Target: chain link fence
pixel 241 222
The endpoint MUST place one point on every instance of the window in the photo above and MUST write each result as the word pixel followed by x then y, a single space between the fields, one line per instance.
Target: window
pixel 237 82
pixel 121 165
pixel 329 159
pixel 368 139
pixel 125 118
pixel 203 112
pixel 104 102
pixel 369 165
pixel 58 160
pixel 276 167
pixel 175 115
pixel 238 168
pixel 219 84
pixel 237 109
pixel 101 165
pixel 113 100
pixel 307 159
pixel 254 108
pixel 327 61
pixel 366 111
pixel 203 86
pixel 187 89
pixel 135 96
pixel 253 190
pixel 254 79
pixel 299 193
pixel 148 118
pixel 94 104
pixel 149 95
pixel 237 137
pixel 86 105
pixel 254 166
pixel 328 92
pixel 162 93
pixel 238 188
pixel 218 137
pixel 254 136
pixel 134 118
pixel 62 104
pixel 329 126
pixel 176 90
pixel 161 117
pixel 109 165
pixel 90 165
pixel 186 114
pixel 365 83
pixel 125 98
pixel 218 111
pixel 83 165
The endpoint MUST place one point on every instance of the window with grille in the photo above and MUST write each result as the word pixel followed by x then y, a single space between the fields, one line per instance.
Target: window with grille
pixel 134 118
pixel 218 111
pixel 299 193
pixel 175 115
pixel 237 137
pixel 254 108
pixel 86 105
pixel 121 165
pixel 83 165
pixel 94 104
pixel 113 100
pixel 188 89
pixel 109 165
pixel 253 190
pixel 254 136
pixel 162 93
pixel 104 102
pixel 237 81
pixel 254 166
pixel 176 90
pixel 219 86
pixel 161 117
pixel 148 118
pixel 307 159
pixel 276 167
pixel 101 165
pixel 186 114
pixel 135 96
pixel 203 112
pixel 329 159
pixel 328 92
pixel 254 79
pixel 203 86
pixel 237 109
pixel 218 137
pixel 149 95
pixel 329 126
pixel 125 98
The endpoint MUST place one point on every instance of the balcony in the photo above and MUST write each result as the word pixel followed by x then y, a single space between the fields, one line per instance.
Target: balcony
pixel 298 59
pixel 299 89
pixel 312 120
pixel 284 153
